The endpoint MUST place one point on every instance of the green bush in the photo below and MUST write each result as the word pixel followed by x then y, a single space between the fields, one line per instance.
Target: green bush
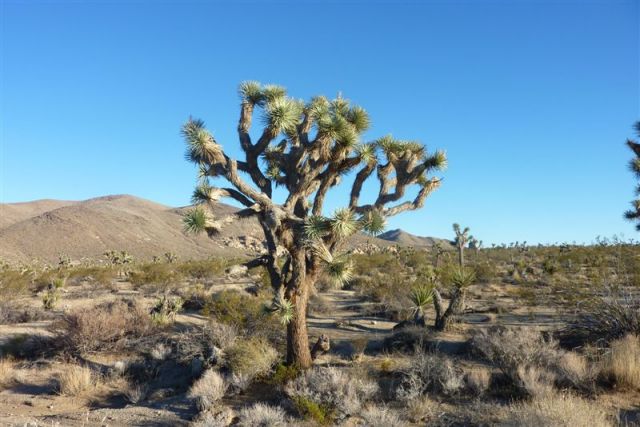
pixel 250 357
pixel 154 274
pixel 311 411
pixel 203 269
pixel 282 374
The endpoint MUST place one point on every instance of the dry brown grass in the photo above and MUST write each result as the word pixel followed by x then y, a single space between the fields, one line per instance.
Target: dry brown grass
pixel 104 326
pixel 555 410
pixel 75 381
pixel 251 357
pixel 7 373
pixel 478 380
pixel 208 389
pixel 622 364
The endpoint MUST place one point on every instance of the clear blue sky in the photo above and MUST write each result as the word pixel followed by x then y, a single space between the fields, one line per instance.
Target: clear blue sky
pixel 532 100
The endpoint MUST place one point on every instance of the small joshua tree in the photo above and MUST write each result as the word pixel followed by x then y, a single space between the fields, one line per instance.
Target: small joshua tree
pixel 459 279
pixel 170 257
pixel 306 149
pixel 461 240
pixel 633 214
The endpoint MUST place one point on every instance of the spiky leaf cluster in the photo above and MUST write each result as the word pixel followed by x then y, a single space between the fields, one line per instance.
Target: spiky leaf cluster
pixel 633 214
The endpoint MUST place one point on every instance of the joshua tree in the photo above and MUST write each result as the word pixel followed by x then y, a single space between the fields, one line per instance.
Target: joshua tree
pixel 306 149
pixel 633 214
pixel 460 278
pixel 170 257
pixel 462 237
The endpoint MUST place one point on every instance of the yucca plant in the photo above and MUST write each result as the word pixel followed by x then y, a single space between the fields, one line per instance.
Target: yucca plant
pixel 421 296
pixel 458 278
pixel 305 148
pixel 633 214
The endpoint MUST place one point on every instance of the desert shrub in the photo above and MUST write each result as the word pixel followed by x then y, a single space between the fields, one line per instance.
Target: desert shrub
pixel 622 363
pixel 220 417
pixel 203 269
pixel 422 409
pixel 261 415
pixel 511 348
pixel 103 327
pixel 75 380
pixel 553 410
pixel 154 274
pixel 550 266
pixel 573 370
pixel 312 411
pixel 251 357
pixel 136 393
pixel 246 313
pixel 603 321
pixel 428 372
pixel 478 380
pixel 406 339
pixel 27 346
pixel 208 389
pixel 206 343
pixel 7 377
pixel 332 390
pixel 98 275
pixel 381 416
pixel 13 284
pixel 50 298
pixel 282 374
pixel 535 381
pixel 166 310
pixel 10 313
pixel 485 272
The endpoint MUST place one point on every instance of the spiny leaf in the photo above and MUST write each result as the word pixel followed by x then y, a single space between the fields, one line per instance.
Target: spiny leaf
pixel 373 222
pixel 316 227
pixel 340 270
pixel 367 152
pixel 359 118
pixel 251 91
pixel 273 92
pixel 196 220
pixel 343 223
pixel 437 161
pixel 283 114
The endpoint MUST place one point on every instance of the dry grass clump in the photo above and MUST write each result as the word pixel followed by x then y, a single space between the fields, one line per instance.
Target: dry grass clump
pixel 251 357
pixel 208 389
pixel 75 380
pixel 7 373
pixel 334 391
pixel 422 409
pixel 622 364
pixel 381 416
pixel 532 362
pixel 104 326
pixel 478 380
pixel 429 372
pixel 554 410
pixel 261 415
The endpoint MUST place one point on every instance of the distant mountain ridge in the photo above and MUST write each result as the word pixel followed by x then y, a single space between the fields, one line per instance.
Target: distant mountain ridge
pixel 402 238
pixel 45 229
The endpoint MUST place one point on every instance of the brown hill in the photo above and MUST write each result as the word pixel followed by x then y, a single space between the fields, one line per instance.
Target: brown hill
pixel 45 229
pixel 89 228
pixel 11 213
pixel 402 238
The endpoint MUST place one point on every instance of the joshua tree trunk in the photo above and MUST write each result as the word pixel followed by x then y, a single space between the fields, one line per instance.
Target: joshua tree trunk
pixel 298 351
pixel 461 255
pixel 444 318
